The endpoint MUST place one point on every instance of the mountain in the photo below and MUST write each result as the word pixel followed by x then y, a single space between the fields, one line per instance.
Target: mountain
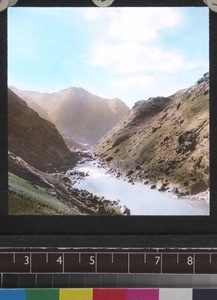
pixel 40 169
pixel 34 139
pixel 78 114
pixel 32 104
pixel 33 192
pixel 164 141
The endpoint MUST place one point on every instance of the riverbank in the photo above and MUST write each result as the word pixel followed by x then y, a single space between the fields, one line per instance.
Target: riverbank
pixel 33 192
pixel 170 187
pixel 92 189
pixel 140 198
pixel 98 204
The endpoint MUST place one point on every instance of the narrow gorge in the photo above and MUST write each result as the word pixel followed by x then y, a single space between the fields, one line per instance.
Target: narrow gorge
pixel 74 153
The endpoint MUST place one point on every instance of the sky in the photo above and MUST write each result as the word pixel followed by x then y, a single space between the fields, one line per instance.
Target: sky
pixel 127 53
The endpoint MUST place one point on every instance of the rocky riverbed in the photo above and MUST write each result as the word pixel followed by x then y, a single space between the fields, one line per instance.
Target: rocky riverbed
pixel 160 186
pixel 89 202
pixel 138 196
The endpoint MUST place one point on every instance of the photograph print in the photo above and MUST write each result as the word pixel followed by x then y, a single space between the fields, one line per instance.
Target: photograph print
pixel 108 111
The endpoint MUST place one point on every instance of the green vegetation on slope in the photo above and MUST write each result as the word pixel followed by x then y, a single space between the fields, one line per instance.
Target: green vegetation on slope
pixel 164 141
pixel 28 199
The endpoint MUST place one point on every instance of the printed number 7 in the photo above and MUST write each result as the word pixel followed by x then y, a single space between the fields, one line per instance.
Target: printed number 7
pixel 157 260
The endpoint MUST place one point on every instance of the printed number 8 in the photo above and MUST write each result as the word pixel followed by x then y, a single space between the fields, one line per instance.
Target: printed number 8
pixel 190 261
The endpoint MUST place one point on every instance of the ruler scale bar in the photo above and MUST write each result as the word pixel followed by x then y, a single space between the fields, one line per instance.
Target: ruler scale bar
pixel 103 261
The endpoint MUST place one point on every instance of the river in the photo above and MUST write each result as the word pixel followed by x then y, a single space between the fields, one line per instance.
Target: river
pixel 139 198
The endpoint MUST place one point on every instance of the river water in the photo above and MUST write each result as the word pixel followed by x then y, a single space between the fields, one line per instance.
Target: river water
pixel 139 198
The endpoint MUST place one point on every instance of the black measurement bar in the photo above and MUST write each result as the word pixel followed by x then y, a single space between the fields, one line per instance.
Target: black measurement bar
pixel 100 261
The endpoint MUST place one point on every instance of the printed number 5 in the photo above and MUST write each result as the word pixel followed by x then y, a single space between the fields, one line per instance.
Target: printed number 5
pixel 92 260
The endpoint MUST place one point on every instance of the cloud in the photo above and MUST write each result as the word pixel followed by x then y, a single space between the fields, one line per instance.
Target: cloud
pixel 128 57
pixel 135 88
pixel 130 53
pixel 135 49
pixel 134 82
pixel 134 24
pixel 92 14
pixel 131 40
pixel 142 24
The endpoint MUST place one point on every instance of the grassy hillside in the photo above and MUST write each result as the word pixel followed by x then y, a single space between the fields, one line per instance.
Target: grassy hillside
pixel 164 141
pixel 28 199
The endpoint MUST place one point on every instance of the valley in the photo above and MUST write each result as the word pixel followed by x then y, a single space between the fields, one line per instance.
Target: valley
pixel 80 116
pixel 136 197
pixel 74 153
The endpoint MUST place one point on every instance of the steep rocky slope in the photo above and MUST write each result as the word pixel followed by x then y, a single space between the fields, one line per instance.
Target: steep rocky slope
pixel 78 114
pixel 33 192
pixel 164 141
pixel 28 97
pixel 36 149
pixel 35 140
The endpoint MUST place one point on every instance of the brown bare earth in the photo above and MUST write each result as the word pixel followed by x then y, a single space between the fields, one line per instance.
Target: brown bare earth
pixel 164 141
pixel 76 113
pixel 34 139
pixel 37 159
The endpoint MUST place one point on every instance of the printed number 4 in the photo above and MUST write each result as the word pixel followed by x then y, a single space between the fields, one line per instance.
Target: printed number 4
pixel 60 260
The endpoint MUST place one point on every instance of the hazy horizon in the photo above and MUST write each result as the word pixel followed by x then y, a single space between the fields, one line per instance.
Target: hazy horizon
pixel 126 53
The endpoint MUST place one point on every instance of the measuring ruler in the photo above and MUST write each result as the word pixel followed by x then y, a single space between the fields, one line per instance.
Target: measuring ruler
pixel 81 267
pixel 75 260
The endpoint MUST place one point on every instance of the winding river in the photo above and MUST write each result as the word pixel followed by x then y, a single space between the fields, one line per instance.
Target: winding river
pixel 139 198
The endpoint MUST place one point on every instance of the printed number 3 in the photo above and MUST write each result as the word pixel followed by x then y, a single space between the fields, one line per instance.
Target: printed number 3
pixel 26 262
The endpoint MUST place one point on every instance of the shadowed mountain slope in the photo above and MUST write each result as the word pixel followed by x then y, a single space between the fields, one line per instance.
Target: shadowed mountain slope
pixel 78 114
pixel 164 141
pixel 35 140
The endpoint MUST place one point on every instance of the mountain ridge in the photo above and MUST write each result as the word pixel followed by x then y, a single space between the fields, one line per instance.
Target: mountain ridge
pixel 164 141
pixel 35 139
pixel 90 116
